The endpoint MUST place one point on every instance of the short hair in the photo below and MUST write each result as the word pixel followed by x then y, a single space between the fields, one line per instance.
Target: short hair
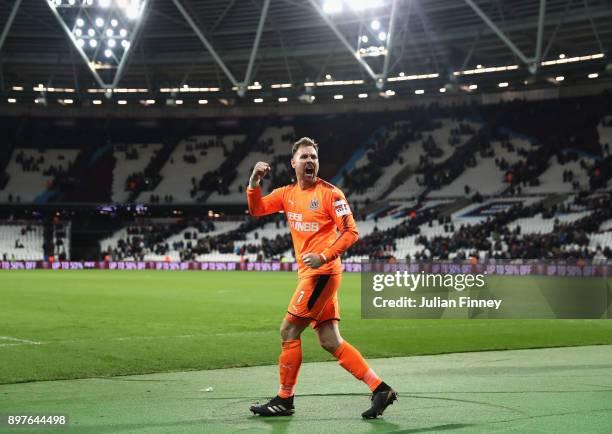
pixel 304 141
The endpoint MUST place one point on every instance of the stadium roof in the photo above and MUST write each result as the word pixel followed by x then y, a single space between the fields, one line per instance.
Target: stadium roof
pixel 301 43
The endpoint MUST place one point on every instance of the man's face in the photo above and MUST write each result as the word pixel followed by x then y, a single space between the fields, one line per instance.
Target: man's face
pixel 305 161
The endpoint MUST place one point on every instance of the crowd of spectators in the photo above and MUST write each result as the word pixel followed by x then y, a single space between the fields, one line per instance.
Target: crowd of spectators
pixel 383 151
pixel 143 239
pixel 566 241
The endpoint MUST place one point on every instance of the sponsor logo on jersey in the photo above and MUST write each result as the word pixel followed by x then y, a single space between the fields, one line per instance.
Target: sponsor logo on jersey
pixel 304 226
pixel 295 216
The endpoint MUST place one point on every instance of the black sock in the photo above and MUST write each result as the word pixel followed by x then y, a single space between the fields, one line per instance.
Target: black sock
pixel 382 387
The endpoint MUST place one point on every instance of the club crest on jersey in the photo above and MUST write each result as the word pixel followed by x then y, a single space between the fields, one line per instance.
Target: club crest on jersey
pixel 314 204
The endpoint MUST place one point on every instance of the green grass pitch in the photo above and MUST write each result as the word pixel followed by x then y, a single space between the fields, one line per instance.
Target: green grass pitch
pixel 81 324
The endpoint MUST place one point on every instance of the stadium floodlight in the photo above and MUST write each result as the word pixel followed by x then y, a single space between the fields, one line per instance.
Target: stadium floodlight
pixel 382 36
pixel 375 24
pixel 561 56
pixel 419 91
pixel 573 59
pixel 559 78
pixel 362 95
pixel 133 11
pixel 86 22
pixel 361 5
pixel 12 100
pixel 18 88
pixel 97 101
pixel 258 100
pixel 202 101
pixel 473 87
pixel 338 96
pixel 328 77
pixel 283 99
pixel 108 52
pixel 442 90
pixel 122 102
pixel 332 6
pixel 307 98
pixel 390 92
pixel 365 39
pixel 178 102
pixel 503 84
pixel 593 75
pixel 111 43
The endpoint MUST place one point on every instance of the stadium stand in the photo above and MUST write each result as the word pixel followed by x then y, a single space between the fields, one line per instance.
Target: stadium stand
pixel 454 182
pixel 130 159
pixel 399 150
pixel 188 162
pixel 61 240
pixel 274 142
pixel 21 242
pixel 31 172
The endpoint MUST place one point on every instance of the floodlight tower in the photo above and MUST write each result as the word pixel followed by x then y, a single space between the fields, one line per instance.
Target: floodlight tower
pixel 103 32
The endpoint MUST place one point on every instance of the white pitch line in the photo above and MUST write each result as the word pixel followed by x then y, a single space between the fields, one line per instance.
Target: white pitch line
pixel 22 341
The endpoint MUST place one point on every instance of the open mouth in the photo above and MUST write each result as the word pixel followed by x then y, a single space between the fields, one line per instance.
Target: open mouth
pixel 309 170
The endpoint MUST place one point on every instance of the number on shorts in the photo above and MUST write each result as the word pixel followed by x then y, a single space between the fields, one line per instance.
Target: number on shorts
pixel 300 297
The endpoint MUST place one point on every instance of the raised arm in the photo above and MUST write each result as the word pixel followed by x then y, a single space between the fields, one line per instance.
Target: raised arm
pixel 258 205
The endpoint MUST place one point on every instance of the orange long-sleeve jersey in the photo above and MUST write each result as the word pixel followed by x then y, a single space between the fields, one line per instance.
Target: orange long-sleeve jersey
pixel 320 221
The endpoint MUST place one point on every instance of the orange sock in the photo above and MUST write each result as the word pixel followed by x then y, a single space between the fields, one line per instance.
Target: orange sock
pixel 289 364
pixel 352 360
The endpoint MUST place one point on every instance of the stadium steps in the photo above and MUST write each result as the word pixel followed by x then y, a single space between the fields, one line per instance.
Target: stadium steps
pixel 357 155
pixel 373 207
pixel 398 179
pixel 555 199
pixel 227 169
pixel 88 178
pixel 6 151
pixel 154 167
pixel 448 210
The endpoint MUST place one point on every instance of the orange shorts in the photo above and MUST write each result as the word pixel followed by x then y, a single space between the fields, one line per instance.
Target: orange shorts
pixel 315 300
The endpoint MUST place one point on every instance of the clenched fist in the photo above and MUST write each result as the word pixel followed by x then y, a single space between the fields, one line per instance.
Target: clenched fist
pixel 312 260
pixel 260 170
